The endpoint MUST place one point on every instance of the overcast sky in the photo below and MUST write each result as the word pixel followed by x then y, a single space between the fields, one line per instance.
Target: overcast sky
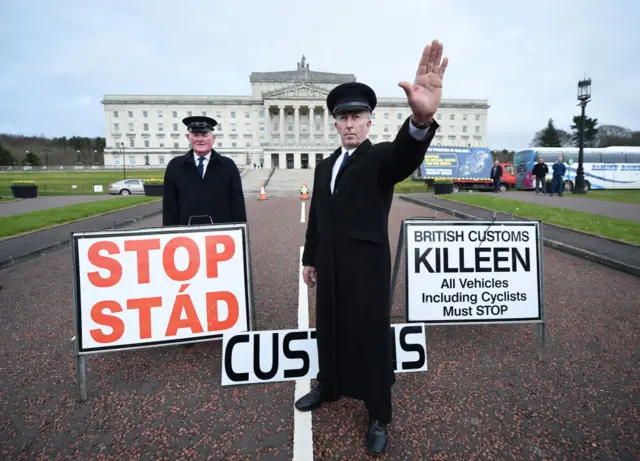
pixel 59 58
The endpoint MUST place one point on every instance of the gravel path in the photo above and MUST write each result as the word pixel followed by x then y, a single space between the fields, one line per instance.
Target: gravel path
pixel 44 203
pixel 485 396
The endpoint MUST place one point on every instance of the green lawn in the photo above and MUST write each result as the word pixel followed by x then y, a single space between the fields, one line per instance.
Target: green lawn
pixel 620 229
pixel 17 224
pixel 410 187
pixel 60 183
pixel 627 196
pixel 80 177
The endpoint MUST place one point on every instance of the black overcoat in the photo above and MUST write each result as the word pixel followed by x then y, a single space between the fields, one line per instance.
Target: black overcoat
pixel 218 195
pixel 348 244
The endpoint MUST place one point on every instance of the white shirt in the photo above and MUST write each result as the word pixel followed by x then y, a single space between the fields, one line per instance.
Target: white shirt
pixel 413 131
pixel 204 164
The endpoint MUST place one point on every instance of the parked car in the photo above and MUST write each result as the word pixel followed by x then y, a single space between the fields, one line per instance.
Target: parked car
pixel 127 187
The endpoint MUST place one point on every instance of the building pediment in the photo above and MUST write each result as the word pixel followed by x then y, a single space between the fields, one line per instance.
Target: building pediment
pixel 297 92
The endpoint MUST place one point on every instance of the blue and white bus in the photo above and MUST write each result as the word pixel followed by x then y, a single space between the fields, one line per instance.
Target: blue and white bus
pixel 604 168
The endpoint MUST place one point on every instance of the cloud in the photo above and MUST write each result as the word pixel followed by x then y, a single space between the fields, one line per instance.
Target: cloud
pixel 525 58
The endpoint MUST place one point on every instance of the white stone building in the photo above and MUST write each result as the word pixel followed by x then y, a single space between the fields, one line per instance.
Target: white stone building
pixel 283 123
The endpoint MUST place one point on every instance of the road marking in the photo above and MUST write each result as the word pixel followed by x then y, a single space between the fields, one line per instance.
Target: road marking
pixel 302 213
pixel 302 434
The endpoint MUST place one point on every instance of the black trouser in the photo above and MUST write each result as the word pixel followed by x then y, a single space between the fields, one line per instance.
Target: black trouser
pixel 379 407
pixel 540 184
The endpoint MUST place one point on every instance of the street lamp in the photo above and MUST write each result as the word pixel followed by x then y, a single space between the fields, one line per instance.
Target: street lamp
pixel 124 171
pixel 584 96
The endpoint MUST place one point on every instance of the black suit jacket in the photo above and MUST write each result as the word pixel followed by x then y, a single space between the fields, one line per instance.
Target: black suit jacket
pixel 496 171
pixel 218 195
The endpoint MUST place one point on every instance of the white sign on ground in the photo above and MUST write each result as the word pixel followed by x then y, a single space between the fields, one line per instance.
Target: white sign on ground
pixel 148 287
pixel 287 355
pixel 472 272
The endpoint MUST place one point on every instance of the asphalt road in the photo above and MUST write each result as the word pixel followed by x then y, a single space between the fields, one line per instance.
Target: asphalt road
pixel 44 203
pixel 485 395
pixel 619 210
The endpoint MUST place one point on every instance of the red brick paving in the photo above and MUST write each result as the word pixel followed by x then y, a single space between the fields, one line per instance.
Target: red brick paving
pixel 485 396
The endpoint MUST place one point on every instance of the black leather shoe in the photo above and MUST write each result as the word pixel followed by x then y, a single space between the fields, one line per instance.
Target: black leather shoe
pixel 311 401
pixel 376 437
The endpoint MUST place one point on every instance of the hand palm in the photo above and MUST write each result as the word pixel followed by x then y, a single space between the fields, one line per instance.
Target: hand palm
pixel 425 92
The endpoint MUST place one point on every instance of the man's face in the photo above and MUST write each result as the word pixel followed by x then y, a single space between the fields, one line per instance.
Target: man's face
pixel 353 127
pixel 540 160
pixel 559 159
pixel 202 143
pixel 496 163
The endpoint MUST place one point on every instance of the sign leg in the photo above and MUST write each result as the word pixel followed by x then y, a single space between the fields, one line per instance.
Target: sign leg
pixel 542 336
pixel 81 377
pixel 396 266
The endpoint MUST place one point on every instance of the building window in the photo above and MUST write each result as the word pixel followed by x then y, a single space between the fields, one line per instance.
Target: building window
pixel 146 143
pixel 439 117
pixel 130 114
pixel 161 144
pixel 464 117
pixel 160 114
pixel 233 114
pixel 477 117
pixel 189 113
pixel 175 127
pixel 115 113
pixel 160 127
pixel 116 127
pixel 130 126
pixel 174 114
pixel 161 159
pixel 146 127
pixel 145 114
pixel 247 114
pixel 233 144
pixel 176 145
pixel 399 115
pixel 132 142
pixel 386 115
pixel 204 113
pixel 477 129
pixel 132 160
pixel 219 144
pixel 464 129
pixel 452 128
pixel 452 117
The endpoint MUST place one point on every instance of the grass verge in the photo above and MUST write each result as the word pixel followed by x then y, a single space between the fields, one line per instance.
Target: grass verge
pixel 619 229
pixel 408 186
pixel 35 220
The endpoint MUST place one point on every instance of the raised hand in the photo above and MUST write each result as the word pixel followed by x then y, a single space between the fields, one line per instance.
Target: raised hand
pixel 425 92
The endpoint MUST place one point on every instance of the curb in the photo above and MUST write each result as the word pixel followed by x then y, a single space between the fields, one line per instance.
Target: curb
pixel 63 243
pixel 584 254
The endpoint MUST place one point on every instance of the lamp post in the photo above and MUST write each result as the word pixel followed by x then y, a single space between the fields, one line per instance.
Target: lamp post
pixel 584 96
pixel 124 171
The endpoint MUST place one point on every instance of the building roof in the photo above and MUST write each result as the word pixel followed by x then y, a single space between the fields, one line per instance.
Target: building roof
pixel 301 75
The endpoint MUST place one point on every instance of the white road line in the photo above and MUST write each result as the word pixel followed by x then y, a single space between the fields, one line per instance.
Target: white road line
pixel 302 434
pixel 302 214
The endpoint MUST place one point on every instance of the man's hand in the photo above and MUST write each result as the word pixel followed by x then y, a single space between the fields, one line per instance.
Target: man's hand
pixel 425 93
pixel 309 276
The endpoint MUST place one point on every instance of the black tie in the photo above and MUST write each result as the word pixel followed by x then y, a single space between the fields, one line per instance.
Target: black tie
pixel 201 166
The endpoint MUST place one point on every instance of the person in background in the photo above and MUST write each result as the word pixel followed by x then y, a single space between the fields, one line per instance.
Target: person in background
pixel 496 174
pixel 540 171
pixel 559 169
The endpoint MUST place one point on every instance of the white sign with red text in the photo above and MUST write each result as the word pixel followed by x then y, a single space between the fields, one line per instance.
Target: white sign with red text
pixel 150 287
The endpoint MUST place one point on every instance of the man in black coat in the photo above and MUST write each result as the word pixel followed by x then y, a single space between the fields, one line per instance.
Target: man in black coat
pixel 540 172
pixel 346 251
pixel 202 182
pixel 496 175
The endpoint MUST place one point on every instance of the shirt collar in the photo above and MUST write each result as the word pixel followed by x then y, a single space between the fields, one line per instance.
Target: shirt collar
pixel 196 156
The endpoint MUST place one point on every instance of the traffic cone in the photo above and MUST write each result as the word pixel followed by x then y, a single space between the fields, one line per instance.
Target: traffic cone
pixel 304 195
pixel 263 195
